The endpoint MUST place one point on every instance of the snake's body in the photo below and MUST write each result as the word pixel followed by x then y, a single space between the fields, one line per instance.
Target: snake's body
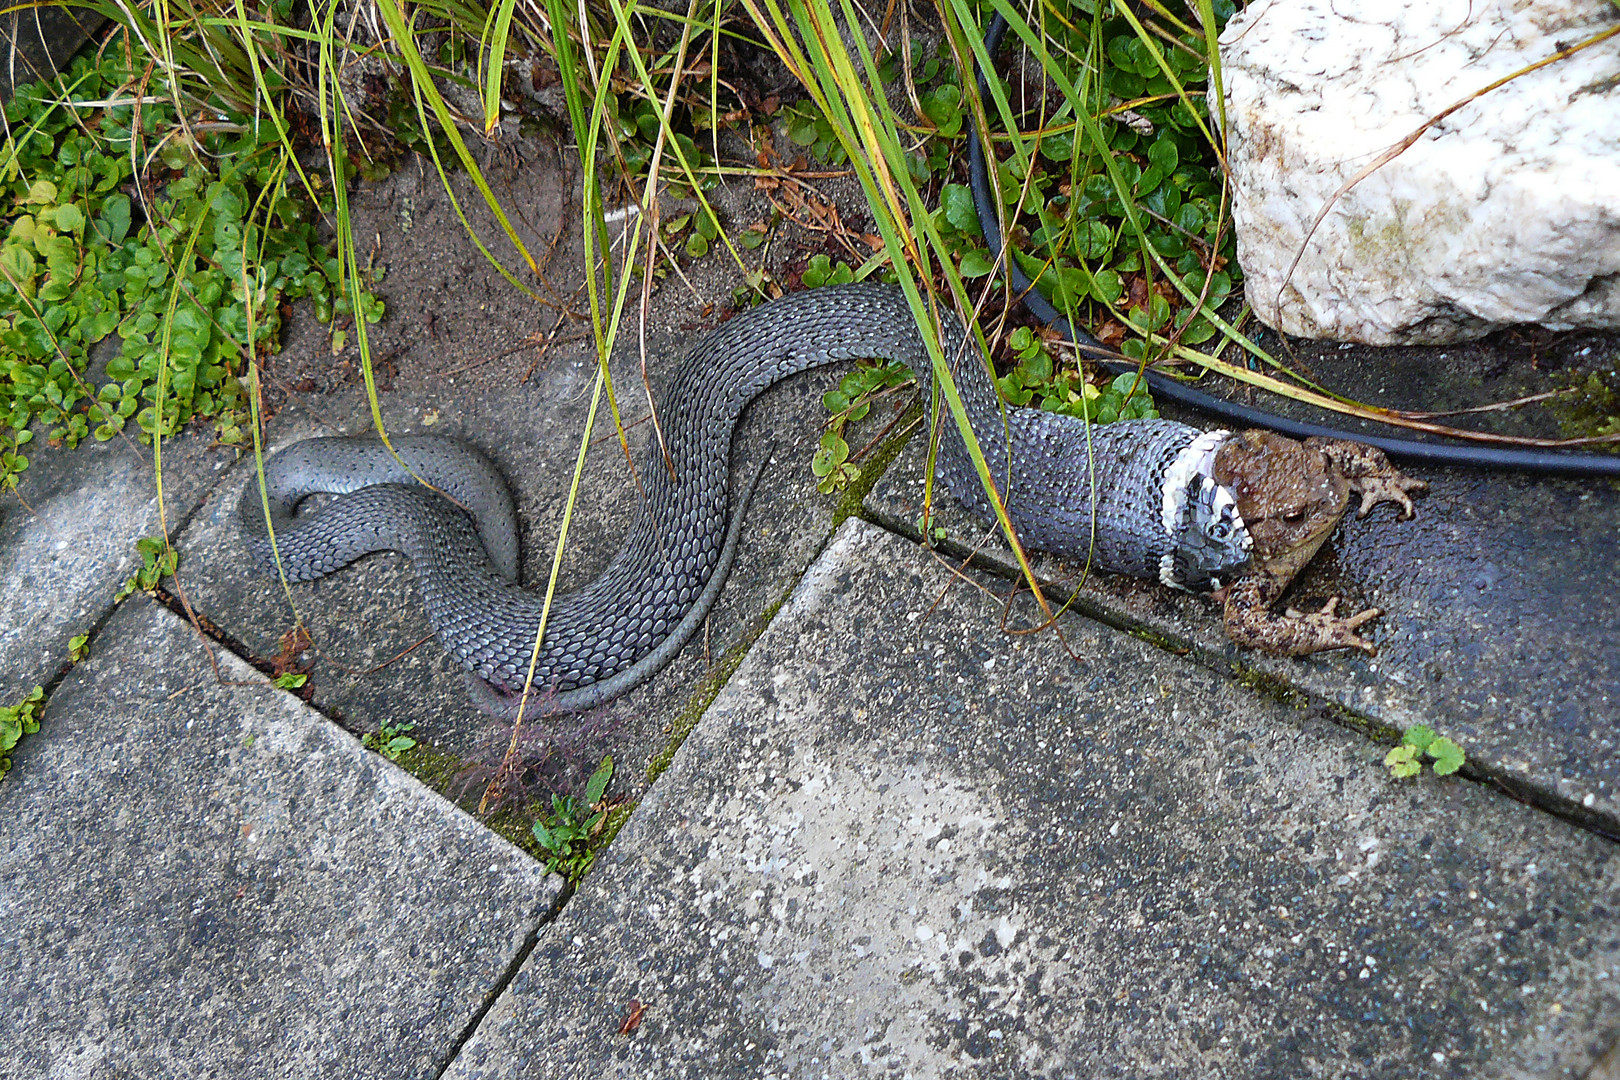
pixel 1156 514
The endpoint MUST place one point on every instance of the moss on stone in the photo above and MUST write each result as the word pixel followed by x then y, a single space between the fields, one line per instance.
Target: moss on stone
pixel 1591 408
pixel 854 496
pixel 709 689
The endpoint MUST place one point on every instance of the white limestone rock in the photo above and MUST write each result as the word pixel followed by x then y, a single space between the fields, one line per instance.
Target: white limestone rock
pixel 1507 211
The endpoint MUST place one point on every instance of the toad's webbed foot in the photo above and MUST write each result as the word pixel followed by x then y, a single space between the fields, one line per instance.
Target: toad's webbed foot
pixel 1250 622
pixel 1370 475
pixel 1330 631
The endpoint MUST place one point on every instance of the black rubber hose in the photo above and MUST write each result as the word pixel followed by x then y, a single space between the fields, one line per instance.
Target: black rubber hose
pixel 1479 457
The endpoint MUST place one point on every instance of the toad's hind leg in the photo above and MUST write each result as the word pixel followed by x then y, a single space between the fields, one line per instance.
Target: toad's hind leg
pixel 1251 622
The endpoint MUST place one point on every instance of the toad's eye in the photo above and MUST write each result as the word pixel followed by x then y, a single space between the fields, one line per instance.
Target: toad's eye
pixel 1219 531
pixel 1294 517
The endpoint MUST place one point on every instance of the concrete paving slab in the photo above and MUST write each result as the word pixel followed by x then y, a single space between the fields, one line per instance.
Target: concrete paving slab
pixel 901 843
pixel 38 43
pixel 1501 626
pixel 67 539
pixel 204 878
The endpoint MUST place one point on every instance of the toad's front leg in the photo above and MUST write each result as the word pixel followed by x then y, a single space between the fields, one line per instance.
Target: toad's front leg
pixel 1251 622
pixel 1370 475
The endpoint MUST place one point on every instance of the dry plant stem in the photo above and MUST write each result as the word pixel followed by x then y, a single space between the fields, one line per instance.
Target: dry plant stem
pixel 361 672
pixel 1495 406
pixel 1405 144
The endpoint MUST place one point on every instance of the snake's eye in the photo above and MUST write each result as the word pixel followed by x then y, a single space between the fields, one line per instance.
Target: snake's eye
pixel 1219 531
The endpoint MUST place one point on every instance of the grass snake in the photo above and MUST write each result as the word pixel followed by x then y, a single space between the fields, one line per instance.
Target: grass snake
pixel 1157 512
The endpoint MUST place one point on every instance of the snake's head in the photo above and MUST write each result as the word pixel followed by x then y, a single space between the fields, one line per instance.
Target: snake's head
pixel 1290 495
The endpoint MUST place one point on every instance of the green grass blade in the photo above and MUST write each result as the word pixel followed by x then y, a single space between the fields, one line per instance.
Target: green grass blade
pixel 405 42
pixel 492 50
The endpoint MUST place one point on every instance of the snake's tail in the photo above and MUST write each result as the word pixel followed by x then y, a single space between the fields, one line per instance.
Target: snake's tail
pixel 544 701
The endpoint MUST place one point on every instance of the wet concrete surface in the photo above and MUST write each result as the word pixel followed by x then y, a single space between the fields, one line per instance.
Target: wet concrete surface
pixel 965 855
pixel 1501 625
pixel 67 540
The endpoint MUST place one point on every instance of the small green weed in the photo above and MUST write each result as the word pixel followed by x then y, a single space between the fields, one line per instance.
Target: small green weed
pixel 292 680
pixel 851 401
pixel 1419 741
pixel 389 740
pixel 567 837
pixel 807 126
pixel 78 647
pixel 693 233
pixel 823 271
pixel 1125 397
pixel 16 721
pixel 158 561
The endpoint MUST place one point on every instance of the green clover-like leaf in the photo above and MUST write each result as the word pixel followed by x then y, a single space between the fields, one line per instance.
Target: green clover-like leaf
pixel 1402 762
pixel 1448 756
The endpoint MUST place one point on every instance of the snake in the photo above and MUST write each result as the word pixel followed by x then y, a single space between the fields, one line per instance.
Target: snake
pixel 1135 496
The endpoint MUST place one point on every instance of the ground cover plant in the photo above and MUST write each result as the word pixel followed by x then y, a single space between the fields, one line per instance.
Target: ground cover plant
pixel 183 238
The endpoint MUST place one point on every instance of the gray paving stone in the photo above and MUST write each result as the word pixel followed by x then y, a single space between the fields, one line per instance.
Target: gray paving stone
pixel 902 844
pixel 67 541
pixel 1502 626
pixel 39 42
pixel 204 878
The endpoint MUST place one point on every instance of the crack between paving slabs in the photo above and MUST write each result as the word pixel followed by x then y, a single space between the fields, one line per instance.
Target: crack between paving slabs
pixel 532 939
pixel 1376 731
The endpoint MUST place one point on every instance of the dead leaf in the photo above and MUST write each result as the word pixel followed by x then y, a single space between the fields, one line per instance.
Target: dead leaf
pixel 633 1020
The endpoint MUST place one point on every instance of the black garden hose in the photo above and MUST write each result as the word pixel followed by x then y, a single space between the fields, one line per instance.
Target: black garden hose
pixel 1435 453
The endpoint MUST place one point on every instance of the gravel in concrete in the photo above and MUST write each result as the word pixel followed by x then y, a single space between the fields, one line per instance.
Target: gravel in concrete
pixel 67 541
pixel 901 843
pixel 204 878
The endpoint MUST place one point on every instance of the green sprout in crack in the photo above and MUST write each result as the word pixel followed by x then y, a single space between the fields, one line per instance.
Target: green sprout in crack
pixel 389 740
pixel 851 401
pixel 158 561
pixel 568 839
pixel 16 721
pixel 1420 742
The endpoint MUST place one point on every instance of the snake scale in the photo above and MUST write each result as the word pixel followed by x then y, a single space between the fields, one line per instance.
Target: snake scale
pixel 1158 513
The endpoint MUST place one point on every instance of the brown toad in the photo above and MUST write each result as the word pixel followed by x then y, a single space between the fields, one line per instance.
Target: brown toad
pixel 1291 496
